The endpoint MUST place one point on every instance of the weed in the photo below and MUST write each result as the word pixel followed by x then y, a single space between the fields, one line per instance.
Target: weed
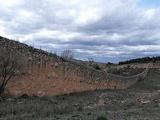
pixel 101 118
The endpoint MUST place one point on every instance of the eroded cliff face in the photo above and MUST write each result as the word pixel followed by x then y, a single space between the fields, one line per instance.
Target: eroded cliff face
pixel 80 73
pixel 45 73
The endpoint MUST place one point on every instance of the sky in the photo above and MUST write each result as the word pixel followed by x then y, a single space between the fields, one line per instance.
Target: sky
pixel 105 30
pixel 149 3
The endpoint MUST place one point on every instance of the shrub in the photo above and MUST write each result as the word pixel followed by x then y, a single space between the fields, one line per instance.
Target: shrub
pixel 11 63
pixel 96 67
pixel 67 55
pixel 101 118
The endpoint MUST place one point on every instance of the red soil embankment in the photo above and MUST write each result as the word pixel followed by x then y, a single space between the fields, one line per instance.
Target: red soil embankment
pixel 42 86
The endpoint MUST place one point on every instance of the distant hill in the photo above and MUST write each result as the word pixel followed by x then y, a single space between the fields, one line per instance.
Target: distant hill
pixel 142 60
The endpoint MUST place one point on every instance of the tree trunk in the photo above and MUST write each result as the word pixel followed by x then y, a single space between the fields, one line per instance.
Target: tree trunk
pixel 1 90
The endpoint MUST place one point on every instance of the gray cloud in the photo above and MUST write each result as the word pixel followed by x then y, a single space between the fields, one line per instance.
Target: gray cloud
pixel 108 30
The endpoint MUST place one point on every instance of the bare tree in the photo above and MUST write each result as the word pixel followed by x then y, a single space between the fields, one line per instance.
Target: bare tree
pixel 10 63
pixel 67 54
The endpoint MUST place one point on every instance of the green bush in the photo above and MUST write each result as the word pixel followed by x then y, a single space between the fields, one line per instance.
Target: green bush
pixel 101 118
pixel 96 67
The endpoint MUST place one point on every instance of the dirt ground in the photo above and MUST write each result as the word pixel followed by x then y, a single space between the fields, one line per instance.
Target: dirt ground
pixel 140 102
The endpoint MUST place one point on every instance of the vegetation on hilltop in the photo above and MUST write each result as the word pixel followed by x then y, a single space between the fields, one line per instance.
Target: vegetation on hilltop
pixel 141 60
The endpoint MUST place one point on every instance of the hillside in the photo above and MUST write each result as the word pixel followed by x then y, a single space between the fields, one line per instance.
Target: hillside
pixel 24 48
pixel 48 74
pixel 50 87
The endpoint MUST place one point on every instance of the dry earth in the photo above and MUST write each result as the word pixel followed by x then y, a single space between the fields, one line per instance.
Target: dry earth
pixel 82 100
pixel 141 102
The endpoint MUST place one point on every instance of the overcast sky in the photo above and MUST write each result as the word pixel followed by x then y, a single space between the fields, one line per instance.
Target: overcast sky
pixel 106 30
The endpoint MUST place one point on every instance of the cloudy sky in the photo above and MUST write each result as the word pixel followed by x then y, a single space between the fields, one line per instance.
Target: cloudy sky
pixel 106 30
